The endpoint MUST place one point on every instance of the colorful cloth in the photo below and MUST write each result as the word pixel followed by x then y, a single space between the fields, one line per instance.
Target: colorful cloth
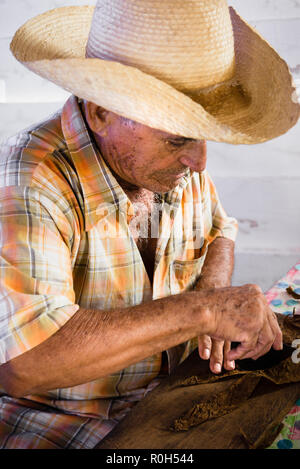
pixel 281 302
pixel 61 206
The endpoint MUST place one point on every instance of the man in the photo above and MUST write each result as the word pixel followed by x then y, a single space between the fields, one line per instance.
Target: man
pixel 92 309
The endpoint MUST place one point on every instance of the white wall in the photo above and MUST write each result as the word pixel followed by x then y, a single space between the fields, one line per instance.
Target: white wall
pixel 258 184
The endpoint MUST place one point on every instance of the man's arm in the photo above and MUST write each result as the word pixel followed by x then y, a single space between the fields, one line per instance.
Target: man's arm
pixel 93 343
pixel 216 273
pixel 218 266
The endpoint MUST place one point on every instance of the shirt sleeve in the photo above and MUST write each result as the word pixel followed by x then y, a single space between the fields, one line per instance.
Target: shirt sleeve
pixel 36 283
pixel 220 225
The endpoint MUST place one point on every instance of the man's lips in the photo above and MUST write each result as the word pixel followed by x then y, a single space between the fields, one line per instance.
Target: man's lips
pixel 178 175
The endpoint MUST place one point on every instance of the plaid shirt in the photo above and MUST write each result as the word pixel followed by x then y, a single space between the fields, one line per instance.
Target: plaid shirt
pixel 65 244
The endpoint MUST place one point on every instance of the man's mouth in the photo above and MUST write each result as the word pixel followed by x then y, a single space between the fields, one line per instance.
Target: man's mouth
pixel 178 175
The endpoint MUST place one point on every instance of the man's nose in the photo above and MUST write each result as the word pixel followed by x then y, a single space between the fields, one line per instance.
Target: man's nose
pixel 196 160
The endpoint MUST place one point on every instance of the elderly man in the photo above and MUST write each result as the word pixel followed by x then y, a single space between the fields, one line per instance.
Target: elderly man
pixel 116 254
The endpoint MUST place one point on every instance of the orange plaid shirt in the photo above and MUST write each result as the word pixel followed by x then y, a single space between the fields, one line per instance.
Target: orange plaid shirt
pixel 65 244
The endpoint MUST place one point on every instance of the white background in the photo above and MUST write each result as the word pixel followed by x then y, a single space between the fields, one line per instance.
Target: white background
pixel 258 184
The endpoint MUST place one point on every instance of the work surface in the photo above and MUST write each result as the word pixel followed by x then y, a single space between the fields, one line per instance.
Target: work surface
pixel 148 425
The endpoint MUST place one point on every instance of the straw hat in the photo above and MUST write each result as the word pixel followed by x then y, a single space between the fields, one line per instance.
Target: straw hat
pixel 188 67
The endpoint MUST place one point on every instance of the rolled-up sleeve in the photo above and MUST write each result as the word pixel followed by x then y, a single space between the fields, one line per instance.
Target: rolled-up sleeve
pixel 221 225
pixel 36 283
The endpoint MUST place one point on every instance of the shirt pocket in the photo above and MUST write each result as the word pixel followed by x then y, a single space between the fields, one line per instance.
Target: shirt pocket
pixel 185 274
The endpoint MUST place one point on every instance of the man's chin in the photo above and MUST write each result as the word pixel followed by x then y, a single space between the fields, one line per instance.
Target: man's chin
pixel 164 189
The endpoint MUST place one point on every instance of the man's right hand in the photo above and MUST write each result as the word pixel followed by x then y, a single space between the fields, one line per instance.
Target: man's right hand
pixel 242 314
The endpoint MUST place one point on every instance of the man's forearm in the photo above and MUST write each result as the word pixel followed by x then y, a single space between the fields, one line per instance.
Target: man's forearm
pixel 93 343
pixel 218 266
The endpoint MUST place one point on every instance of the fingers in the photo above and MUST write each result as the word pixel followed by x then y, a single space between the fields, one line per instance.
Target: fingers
pixel 257 330
pixel 204 347
pixel 269 336
pixel 228 364
pixel 242 351
pixel 216 351
pixel 216 359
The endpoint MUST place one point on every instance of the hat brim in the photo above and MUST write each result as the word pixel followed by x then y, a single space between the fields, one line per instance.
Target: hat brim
pixel 257 107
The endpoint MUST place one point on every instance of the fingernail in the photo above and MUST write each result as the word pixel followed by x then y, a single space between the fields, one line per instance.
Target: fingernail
pixel 232 364
pixel 217 367
pixel 206 353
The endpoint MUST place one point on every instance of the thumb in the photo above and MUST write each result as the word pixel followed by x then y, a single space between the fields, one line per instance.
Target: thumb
pixel 241 350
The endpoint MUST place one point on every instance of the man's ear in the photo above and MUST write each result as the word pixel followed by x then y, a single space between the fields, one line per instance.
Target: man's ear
pixel 97 117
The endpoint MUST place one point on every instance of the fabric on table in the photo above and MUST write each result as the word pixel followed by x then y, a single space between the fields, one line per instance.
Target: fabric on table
pixel 61 206
pixel 281 302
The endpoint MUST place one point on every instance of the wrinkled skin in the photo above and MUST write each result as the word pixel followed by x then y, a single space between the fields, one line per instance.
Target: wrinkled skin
pixel 142 157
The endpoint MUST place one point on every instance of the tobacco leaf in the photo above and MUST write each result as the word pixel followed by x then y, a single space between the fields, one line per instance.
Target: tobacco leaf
pixel 219 404
pixel 291 292
pixel 276 366
pixel 290 327
pixel 264 440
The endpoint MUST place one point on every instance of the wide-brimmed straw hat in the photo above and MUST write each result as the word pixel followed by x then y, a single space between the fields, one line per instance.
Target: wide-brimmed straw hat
pixel 188 67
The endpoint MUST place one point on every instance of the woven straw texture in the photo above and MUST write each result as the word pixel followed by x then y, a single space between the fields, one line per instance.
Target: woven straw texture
pixel 192 68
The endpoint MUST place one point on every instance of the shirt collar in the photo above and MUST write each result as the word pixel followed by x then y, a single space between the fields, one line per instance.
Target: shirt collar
pixel 102 193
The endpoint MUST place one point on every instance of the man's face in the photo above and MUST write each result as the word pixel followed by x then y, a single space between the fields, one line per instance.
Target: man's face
pixel 149 158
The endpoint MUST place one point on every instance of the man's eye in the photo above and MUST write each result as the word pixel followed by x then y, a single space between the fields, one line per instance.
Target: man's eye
pixel 177 143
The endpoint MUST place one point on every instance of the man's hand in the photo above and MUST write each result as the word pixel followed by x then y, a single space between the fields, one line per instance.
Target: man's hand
pixel 217 352
pixel 242 314
pixel 216 273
